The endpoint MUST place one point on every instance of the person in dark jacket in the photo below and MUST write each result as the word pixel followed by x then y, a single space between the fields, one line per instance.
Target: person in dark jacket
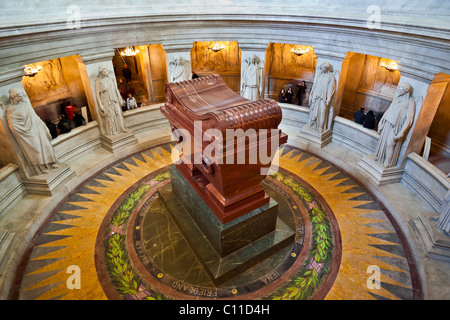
pixel 126 72
pixel 78 119
pixel 52 128
pixel 301 92
pixel 359 116
pixel 282 96
pixel 64 124
pixel 289 94
pixel 369 121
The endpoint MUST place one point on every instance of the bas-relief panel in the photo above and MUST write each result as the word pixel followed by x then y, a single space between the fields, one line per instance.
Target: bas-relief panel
pixel 283 63
pixel 440 131
pixel 376 85
pixel 284 68
pixel 48 85
pixel 207 61
pixel 226 62
pixel 58 81
pixel 375 77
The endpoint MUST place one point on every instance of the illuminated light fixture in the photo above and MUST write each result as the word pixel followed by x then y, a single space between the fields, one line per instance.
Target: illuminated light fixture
pixel 129 52
pixel 299 50
pixel 391 66
pixel 30 71
pixel 216 47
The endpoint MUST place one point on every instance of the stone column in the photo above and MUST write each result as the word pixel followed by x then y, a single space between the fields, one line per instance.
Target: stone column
pixel 252 74
pixel 35 181
pixel 90 65
pixel 427 97
pixel 338 68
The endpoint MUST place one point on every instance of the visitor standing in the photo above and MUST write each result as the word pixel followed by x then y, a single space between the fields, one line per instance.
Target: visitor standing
pixel 78 119
pixel 52 128
pixel 289 95
pixel 369 120
pixel 126 72
pixel 301 92
pixel 68 110
pixel 359 116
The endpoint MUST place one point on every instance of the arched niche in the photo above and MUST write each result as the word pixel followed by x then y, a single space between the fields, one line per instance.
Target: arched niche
pixel 220 57
pixel 286 68
pixel 368 84
pixel 148 72
pixel 440 131
pixel 58 81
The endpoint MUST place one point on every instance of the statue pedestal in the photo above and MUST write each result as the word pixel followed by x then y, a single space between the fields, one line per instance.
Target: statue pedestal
pixel 309 135
pixel 8 241
pixel 115 142
pixel 48 184
pixel 435 242
pixel 377 173
pixel 224 250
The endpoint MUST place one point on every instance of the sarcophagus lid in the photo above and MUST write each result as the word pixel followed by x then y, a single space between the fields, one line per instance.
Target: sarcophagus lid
pixel 209 99
pixel 207 104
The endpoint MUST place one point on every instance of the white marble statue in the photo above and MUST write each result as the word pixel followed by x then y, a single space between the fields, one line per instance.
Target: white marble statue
pixel 109 103
pixel 251 78
pixel 394 126
pixel 179 69
pixel 321 98
pixel 31 133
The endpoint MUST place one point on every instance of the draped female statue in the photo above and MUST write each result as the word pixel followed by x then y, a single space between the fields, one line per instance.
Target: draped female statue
pixel 252 78
pixel 321 98
pixel 31 133
pixel 179 70
pixel 109 103
pixel 394 126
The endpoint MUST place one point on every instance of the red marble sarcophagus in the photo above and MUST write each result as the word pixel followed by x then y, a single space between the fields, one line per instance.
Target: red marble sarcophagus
pixel 227 178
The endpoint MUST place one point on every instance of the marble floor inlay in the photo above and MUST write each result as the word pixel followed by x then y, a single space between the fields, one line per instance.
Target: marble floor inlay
pixel 112 239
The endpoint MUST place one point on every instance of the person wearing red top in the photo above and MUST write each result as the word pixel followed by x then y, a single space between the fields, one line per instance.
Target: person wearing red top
pixel 68 110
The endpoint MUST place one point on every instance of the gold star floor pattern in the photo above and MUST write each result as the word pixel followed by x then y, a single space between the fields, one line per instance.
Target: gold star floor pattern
pixel 370 240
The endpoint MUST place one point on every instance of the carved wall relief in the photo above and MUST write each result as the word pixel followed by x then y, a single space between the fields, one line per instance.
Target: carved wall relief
pixel 47 85
pixel 225 62
pixel 284 68
pixel 439 130
pixel 58 81
pixel 368 85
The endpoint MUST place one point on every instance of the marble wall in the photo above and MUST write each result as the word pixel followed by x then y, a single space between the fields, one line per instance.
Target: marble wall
pixel 48 31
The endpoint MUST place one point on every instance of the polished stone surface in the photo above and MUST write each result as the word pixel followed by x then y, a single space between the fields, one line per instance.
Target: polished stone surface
pixel 223 267
pixel 224 237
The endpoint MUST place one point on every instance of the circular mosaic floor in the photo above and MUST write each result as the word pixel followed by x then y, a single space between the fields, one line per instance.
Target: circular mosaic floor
pixel 114 231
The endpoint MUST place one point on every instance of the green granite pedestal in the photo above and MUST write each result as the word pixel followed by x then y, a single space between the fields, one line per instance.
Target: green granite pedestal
pixel 224 250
